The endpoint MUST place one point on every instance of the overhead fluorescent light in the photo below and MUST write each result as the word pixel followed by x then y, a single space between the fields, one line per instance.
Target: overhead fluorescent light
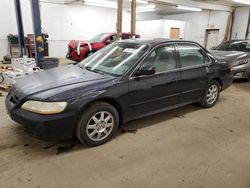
pixel 247 2
pixel 101 3
pixel 141 1
pixel 146 8
pixel 188 8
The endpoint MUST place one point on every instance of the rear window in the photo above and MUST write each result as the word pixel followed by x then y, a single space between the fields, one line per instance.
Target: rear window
pixel 243 46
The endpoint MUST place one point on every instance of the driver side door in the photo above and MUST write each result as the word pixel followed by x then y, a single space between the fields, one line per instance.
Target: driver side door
pixel 153 93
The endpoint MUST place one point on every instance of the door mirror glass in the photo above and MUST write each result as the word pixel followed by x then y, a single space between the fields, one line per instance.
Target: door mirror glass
pixel 146 70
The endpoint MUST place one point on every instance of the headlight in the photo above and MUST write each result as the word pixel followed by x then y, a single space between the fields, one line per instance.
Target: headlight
pixel 44 108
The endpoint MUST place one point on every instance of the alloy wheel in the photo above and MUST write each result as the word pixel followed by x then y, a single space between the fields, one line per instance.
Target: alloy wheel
pixel 212 94
pixel 100 126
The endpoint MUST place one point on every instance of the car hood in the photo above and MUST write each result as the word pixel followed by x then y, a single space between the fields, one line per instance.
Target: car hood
pixel 230 55
pixel 56 80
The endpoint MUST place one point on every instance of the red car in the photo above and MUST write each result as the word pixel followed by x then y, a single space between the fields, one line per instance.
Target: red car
pixel 79 50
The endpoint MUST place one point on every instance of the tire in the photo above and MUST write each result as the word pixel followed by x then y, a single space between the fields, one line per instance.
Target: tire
pixel 211 95
pixel 97 124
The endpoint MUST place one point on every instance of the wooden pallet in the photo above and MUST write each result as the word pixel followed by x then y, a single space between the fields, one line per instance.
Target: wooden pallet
pixel 5 87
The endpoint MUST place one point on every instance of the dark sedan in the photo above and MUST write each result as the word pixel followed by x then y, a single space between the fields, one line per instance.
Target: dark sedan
pixel 238 52
pixel 123 81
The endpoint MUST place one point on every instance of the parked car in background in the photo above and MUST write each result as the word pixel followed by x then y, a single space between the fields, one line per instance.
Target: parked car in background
pixel 79 50
pixel 124 81
pixel 237 51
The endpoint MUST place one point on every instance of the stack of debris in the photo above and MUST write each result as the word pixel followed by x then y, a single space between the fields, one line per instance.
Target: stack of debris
pixel 20 68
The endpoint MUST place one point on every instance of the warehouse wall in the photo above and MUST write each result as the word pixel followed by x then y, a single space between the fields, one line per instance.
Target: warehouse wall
pixel 159 28
pixel 62 22
pixel 76 21
pixel 241 21
pixel 198 22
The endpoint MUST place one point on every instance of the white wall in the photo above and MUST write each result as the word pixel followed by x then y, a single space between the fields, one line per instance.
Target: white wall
pixel 240 25
pixel 198 22
pixel 159 28
pixel 62 22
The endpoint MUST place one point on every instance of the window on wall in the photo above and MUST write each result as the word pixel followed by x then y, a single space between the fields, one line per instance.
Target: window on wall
pixel 162 58
pixel 191 55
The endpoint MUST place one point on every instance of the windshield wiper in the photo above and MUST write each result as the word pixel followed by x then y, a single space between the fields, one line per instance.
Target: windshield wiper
pixel 92 70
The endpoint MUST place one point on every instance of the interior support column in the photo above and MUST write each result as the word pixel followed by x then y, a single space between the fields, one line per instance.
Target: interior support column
pixel 119 19
pixel 133 18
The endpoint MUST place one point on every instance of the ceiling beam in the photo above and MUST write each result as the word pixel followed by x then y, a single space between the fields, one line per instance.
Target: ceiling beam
pixel 201 5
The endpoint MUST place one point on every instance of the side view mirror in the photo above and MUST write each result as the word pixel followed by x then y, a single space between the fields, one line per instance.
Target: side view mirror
pixel 146 70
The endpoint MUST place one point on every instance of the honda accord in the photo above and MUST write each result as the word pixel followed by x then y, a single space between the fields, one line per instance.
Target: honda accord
pixel 124 81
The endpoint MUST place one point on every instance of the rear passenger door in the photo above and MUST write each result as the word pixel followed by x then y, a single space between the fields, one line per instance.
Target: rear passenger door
pixel 194 71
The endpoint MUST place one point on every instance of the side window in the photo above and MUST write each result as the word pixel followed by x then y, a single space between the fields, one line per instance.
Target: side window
pixel 112 39
pixel 162 58
pixel 246 47
pixel 191 55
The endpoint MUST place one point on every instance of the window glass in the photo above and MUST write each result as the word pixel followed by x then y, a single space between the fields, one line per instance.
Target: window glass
pixel 243 46
pixel 112 39
pixel 115 59
pixel 163 58
pixel 99 38
pixel 191 55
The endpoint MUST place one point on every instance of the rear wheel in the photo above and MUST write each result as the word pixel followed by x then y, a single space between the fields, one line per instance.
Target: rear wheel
pixel 97 124
pixel 211 95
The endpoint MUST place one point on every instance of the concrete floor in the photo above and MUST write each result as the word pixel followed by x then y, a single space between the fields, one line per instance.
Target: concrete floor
pixel 189 147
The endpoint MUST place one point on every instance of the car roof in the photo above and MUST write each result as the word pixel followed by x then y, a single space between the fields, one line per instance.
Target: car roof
pixel 238 40
pixel 154 41
pixel 113 33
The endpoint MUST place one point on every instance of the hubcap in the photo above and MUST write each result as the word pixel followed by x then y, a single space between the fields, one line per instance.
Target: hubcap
pixel 212 94
pixel 100 125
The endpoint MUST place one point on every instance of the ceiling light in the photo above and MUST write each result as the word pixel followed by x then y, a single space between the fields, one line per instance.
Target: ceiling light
pixel 247 2
pixel 101 3
pixel 188 8
pixel 146 8
pixel 140 1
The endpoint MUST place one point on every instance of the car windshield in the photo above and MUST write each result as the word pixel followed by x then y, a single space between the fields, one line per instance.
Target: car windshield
pixel 99 38
pixel 115 59
pixel 243 46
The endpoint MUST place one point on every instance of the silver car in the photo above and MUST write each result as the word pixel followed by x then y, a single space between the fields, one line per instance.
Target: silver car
pixel 238 52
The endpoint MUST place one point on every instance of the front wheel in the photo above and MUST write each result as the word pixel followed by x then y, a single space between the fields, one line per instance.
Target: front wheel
pixel 211 95
pixel 98 124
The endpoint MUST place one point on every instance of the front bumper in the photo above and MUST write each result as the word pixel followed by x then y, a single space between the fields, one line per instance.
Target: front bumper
pixel 241 71
pixel 46 127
